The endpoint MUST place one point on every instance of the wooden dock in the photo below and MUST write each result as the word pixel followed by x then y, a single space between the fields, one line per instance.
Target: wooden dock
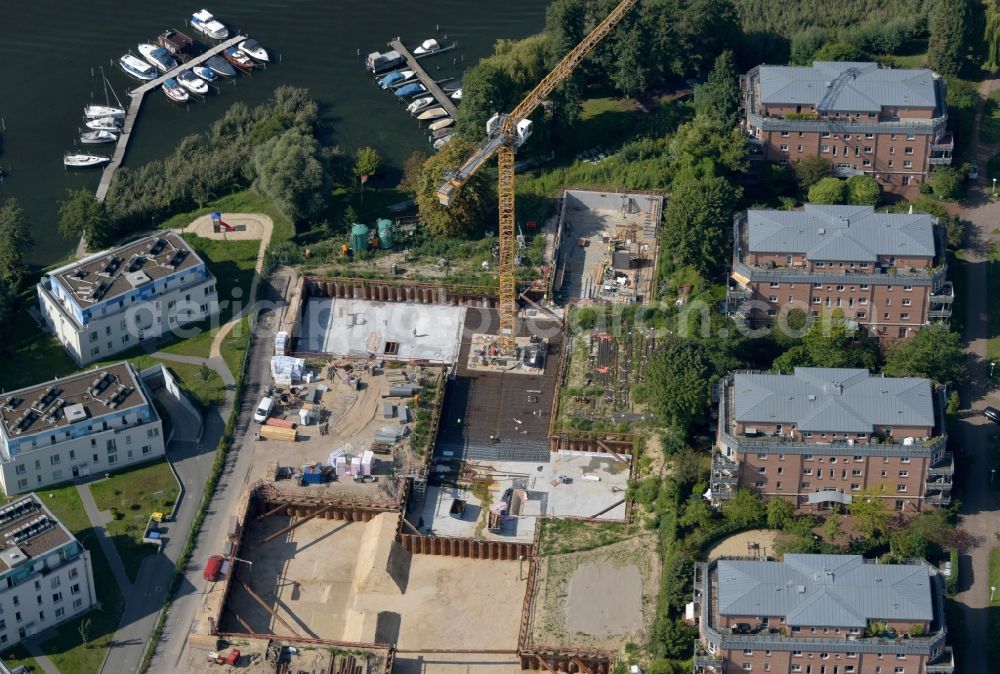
pixel 432 88
pixel 132 113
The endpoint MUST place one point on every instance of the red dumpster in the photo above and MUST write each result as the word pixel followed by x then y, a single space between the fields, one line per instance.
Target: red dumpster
pixel 233 657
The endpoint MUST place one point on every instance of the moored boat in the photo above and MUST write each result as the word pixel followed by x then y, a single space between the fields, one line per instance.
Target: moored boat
pixel 192 82
pixel 206 24
pixel 80 160
pixel 137 68
pixel 219 66
pixel 252 48
pixel 395 77
pixel 104 124
pixel 441 133
pixel 427 47
pixel 96 111
pixel 98 137
pixel 441 142
pixel 175 91
pixel 238 58
pixel 432 113
pixel 205 73
pixel 413 89
pixel 157 56
pixel 456 95
pixel 379 62
pixel 442 123
pixel 419 104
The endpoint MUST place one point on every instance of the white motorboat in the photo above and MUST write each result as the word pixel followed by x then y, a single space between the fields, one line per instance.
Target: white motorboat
pixel 441 142
pixel 104 124
pixel 432 113
pixel 157 56
pixel 253 49
pixel 175 91
pixel 192 82
pixel 98 137
pixel 427 47
pixel 442 123
pixel 419 104
pixel 205 73
pixel 205 23
pixel 456 95
pixel 95 111
pixel 137 68
pixel 77 160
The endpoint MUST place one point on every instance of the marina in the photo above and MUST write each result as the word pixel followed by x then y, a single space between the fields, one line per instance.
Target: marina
pixel 132 113
pixel 432 87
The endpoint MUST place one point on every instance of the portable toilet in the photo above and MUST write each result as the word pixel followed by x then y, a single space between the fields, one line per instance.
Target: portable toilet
pixel 359 237
pixel 385 234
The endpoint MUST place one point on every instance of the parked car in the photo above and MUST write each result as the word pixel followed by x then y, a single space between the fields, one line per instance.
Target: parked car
pixel 993 414
pixel 263 410
pixel 974 171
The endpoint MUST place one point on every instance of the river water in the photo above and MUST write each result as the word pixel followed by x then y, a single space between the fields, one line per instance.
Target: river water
pixel 50 51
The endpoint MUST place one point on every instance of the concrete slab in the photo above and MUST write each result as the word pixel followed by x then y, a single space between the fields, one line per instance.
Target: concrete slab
pixel 592 483
pixel 359 328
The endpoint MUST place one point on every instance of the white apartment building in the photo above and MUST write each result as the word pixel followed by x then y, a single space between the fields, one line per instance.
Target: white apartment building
pixel 93 422
pixel 111 301
pixel 45 573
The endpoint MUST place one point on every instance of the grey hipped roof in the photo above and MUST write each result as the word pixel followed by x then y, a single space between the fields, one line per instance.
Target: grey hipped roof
pixel 847 86
pixel 842 233
pixel 825 590
pixel 832 400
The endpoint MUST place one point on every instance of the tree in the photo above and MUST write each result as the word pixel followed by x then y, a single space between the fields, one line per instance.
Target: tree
pixel 832 530
pixel 411 172
pixel 948 43
pixel 205 373
pixel 472 206
pixel 870 513
pixel 717 101
pixel 811 170
pixel 744 509
pixel 806 43
pixel 674 638
pixel 678 386
pixel 83 629
pixel 15 242
pixel 863 191
pixel 366 162
pixel 290 171
pixel 935 352
pixel 81 215
pixel 947 182
pixel 698 220
pixel 780 512
pixel 828 191
pixel 838 51
pixel 697 514
pixel 991 34
pixel 830 343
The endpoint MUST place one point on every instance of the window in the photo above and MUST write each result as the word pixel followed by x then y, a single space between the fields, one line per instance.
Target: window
pixel 796 667
pixel 799 148
pixel 77 603
pixel 855 486
pixel 21 468
pixel 807 457
pixel 772 298
pixel 73 573
pixel 55 459
pixel 775 284
pixel 861 314
pixel 907 163
pixel 785 134
pixel 783 148
pixel 57 597
pixel 902 459
pixel 747 651
pixel 60 612
pixel 907 150
pixel 22 483
pixel 807 471
pixel 867 162
pixel 112 458
pixel 146 449
pixel 746 667
pixel 75 588
pixel 906 301
pixel 901 488
pixel 825 134
pixel 904 316
pixel 55 582
pixel 824 148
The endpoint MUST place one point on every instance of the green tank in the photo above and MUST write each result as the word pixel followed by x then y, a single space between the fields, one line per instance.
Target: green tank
pixel 359 237
pixel 385 234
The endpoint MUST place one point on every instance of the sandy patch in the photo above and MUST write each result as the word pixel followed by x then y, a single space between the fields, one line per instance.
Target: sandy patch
pixel 604 599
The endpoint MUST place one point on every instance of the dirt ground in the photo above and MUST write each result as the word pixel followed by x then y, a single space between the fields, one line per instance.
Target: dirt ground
pixel 741 545
pixel 350 581
pixel 601 598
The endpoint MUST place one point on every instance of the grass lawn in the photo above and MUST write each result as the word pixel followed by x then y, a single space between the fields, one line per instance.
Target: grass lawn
pixel 66 650
pixel 39 356
pixel 993 317
pixel 133 495
pixel 235 345
pixel 18 657
pixel 204 386
pixel 994 611
pixel 913 54
pixel 989 130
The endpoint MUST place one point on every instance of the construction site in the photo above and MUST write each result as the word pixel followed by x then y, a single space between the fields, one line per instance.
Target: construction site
pixel 605 247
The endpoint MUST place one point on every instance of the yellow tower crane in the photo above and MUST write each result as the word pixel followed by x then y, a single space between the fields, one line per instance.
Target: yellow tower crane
pixel 506 133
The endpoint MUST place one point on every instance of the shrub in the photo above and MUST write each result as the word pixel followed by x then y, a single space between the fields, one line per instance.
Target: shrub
pixel 828 191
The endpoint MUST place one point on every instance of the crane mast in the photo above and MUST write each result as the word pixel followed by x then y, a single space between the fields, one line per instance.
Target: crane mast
pixel 506 134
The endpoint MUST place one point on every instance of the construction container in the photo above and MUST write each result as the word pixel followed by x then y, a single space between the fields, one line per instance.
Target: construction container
pixel 359 237
pixel 385 234
pixel 279 423
pixel 278 433
pixel 341 465
pixel 304 416
pixel 312 475
pixel 367 462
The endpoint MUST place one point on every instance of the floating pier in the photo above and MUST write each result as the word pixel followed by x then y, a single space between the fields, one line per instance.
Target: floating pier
pixel 132 113
pixel 432 88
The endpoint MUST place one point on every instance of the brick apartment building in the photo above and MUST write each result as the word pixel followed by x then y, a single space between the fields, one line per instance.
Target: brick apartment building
pixel 886 272
pixel 819 614
pixel 885 122
pixel 820 435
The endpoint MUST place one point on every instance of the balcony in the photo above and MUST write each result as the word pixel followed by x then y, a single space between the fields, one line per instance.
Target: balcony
pixel 943 295
pixel 941 499
pixel 724 478
pixel 946 466
pixel 939 312
pixel 935 160
pixel 878 275
pixel 944 143
pixel 704 662
pixel 943 664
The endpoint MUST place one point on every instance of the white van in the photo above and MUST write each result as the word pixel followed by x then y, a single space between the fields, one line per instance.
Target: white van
pixel 263 410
